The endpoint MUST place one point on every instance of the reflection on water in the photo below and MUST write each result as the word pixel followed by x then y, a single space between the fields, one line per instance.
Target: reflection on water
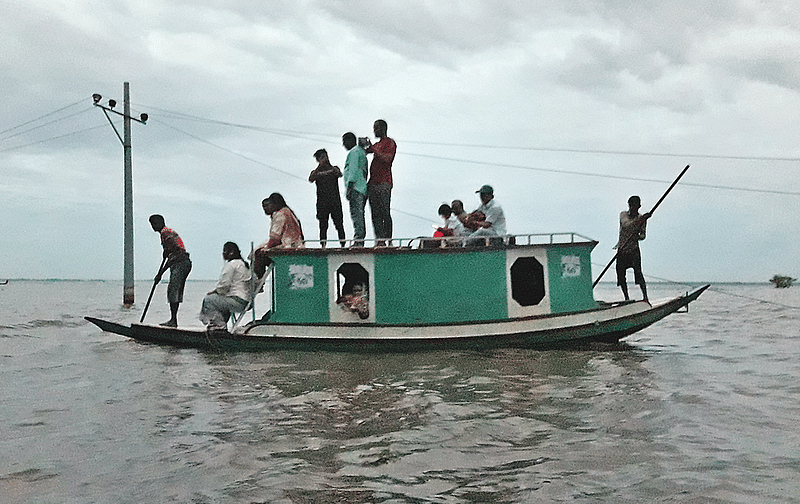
pixel 460 426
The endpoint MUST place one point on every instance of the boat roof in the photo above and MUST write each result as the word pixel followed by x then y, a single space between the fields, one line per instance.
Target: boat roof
pixel 447 244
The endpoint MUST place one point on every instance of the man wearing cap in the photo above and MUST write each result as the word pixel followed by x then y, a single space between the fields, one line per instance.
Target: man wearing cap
pixel 631 229
pixel 488 219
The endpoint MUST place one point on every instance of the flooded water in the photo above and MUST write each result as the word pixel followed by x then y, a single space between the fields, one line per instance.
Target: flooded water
pixel 701 407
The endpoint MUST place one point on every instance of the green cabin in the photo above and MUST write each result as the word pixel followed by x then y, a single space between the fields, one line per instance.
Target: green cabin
pixel 436 285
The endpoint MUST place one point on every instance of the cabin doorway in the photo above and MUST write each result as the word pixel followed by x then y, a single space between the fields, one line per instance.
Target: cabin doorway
pixel 352 290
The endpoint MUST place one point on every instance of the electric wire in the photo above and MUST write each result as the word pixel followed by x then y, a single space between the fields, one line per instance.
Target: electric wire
pixel 713 288
pixel 261 163
pixel 605 176
pixel 41 117
pixel 305 134
pixel 43 125
pixel 229 151
pixel 610 152
pixel 52 138
pixel 320 136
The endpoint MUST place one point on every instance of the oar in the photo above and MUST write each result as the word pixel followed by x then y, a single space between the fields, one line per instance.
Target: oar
pixel 633 235
pixel 155 283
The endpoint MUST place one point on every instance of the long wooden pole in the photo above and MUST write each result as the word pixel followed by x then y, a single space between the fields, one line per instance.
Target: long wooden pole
pixel 155 283
pixel 632 236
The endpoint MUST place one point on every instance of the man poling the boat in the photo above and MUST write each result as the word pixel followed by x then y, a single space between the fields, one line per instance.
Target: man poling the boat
pixel 176 260
pixel 649 214
pixel 632 226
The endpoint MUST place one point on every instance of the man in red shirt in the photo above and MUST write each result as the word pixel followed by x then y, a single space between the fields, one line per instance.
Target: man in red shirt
pixel 176 259
pixel 379 186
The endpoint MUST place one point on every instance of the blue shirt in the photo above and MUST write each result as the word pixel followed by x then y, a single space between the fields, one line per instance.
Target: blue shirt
pixel 355 170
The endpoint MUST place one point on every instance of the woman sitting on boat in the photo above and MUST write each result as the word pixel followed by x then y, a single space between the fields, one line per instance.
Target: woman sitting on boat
pixel 232 290
pixel 285 231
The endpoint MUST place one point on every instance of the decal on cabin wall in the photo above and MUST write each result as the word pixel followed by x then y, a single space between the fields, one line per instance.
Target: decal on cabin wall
pixel 301 276
pixel 570 266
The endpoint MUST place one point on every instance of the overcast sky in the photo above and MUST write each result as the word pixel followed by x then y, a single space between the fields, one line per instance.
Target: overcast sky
pixel 566 108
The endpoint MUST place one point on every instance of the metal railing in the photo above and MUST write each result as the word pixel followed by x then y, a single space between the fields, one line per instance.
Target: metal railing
pixel 419 242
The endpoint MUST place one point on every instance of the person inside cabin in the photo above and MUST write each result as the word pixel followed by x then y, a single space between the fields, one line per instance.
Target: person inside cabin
pixel 329 202
pixel 285 231
pixel 356 300
pixel 355 186
pixel 176 260
pixel 488 220
pixel 632 229
pixel 379 186
pixel 231 293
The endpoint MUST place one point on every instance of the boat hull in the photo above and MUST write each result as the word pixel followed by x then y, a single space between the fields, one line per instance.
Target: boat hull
pixel 606 324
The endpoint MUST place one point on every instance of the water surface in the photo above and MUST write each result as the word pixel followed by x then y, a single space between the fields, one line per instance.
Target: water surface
pixel 701 407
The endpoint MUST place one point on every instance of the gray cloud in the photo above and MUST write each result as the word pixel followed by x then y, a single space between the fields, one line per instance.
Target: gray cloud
pixel 717 78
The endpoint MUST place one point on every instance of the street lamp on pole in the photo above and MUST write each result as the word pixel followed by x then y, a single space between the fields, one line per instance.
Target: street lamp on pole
pixel 127 289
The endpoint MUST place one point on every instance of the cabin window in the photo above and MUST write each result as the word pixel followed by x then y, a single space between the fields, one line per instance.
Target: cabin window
pixel 527 281
pixel 352 289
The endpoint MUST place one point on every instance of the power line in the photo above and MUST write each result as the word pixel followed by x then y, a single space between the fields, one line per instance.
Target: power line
pixel 303 135
pixel 51 138
pixel 320 136
pixel 306 134
pixel 239 154
pixel 604 151
pixel 602 175
pixel 248 158
pixel 45 124
pixel 42 117
pixel 718 291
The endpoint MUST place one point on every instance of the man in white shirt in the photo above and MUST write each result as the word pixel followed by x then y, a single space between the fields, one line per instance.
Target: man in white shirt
pixel 488 219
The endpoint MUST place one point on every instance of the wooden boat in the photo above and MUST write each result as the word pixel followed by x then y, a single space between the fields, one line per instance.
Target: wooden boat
pixel 515 291
pixel 781 281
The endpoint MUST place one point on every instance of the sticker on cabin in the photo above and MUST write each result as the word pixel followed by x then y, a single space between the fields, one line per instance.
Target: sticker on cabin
pixel 570 266
pixel 301 276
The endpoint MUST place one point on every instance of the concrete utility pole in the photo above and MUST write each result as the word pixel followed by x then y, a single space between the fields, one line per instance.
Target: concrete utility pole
pixel 127 289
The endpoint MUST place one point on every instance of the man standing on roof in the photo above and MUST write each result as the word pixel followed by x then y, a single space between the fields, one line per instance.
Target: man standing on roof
pixel 329 203
pixel 355 186
pixel 632 227
pixel 488 219
pixel 379 187
pixel 176 259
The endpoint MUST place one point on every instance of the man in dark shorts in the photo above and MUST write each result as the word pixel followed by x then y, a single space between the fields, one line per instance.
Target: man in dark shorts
pixel 176 259
pixel 329 203
pixel 631 230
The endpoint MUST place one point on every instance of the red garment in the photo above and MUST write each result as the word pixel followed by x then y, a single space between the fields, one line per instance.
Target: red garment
pixel 171 242
pixel 380 171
